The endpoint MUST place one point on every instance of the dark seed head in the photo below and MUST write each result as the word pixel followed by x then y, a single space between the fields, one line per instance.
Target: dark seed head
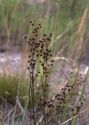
pixel 30 21
pixel 25 37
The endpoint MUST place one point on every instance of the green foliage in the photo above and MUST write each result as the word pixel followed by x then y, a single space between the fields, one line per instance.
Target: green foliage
pixel 15 16
pixel 9 87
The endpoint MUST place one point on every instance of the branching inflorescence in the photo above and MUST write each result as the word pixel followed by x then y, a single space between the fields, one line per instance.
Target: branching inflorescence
pixel 39 63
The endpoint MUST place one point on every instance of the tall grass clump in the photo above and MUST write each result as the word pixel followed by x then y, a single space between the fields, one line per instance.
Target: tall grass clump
pixel 66 103
pixel 31 98
pixel 39 64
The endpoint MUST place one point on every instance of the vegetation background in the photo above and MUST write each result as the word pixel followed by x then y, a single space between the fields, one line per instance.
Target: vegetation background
pixel 55 16
pixel 68 21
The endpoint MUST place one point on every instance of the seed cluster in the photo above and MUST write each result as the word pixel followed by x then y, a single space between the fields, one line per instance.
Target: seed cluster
pixel 69 94
pixel 39 55
pixel 38 50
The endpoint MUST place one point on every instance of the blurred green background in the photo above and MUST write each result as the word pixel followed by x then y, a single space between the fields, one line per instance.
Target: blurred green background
pixel 61 17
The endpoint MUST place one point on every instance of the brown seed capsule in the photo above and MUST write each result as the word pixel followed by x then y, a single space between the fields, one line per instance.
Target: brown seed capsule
pixel 28 61
pixel 52 61
pixel 69 88
pixel 30 21
pixel 25 37
pixel 64 93
pixel 36 35
pixel 37 55
pixel 40 61
pixel 50 34
pixel 42 64
pixel 49 105
pixel 44 35
pixel 40 54
pixel 28 67
pixel 72 110
pixel 39 25
pixel 48 39
pixel 50 55
pixel 37 28
pixel 32 24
